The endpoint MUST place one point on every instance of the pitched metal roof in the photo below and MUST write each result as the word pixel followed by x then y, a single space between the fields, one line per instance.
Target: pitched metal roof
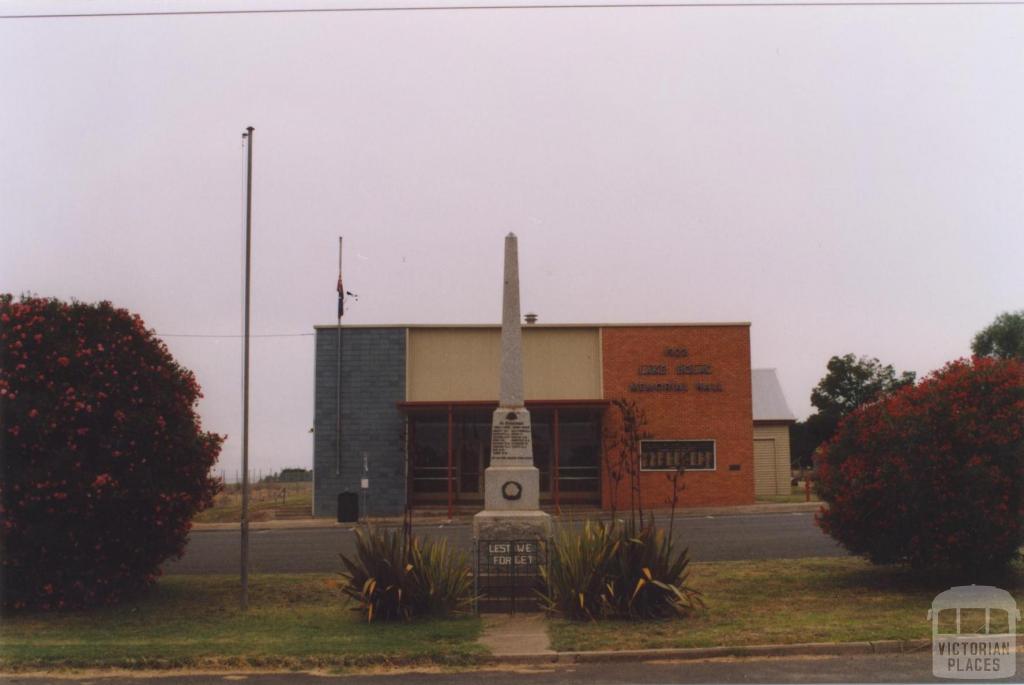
pixel 769 404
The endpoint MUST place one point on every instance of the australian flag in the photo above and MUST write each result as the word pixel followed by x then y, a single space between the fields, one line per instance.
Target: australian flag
pixel 341 297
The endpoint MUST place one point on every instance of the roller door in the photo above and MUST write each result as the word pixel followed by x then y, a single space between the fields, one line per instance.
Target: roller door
pixel 765 480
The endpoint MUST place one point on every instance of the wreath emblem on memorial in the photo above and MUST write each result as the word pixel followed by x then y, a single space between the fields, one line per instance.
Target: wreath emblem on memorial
pixel 511 490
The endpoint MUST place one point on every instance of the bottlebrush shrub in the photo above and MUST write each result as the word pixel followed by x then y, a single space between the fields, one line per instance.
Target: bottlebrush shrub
pixel 104 461
pixel 932 475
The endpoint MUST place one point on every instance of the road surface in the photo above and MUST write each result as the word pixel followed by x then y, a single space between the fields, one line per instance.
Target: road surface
pixel 315 550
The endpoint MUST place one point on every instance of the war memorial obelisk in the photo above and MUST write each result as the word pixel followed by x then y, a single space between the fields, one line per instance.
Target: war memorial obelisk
pixel 511 482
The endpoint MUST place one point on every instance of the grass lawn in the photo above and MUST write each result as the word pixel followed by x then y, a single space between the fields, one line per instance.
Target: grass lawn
pixel 294 621
pixel 796 494
pixel 268 501
pixel 782 601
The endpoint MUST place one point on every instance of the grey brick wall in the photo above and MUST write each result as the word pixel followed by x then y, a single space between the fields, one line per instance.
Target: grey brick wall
pixel 372 382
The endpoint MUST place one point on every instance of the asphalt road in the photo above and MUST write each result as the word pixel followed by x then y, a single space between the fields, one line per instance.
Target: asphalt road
pixel 884 668
pixel 315 550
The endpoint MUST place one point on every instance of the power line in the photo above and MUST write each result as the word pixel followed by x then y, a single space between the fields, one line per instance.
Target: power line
pixel 544 6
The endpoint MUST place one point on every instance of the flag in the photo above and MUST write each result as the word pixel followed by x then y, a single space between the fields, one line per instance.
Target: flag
pixel 341 297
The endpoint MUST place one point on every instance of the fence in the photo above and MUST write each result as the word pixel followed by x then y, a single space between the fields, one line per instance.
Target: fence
pixel 508 574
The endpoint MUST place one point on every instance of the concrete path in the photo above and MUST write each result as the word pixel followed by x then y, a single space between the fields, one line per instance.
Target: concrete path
pixel 512 635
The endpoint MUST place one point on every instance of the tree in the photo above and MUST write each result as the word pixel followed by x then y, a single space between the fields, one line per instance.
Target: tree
pixel 932 475
pixel 802 445
pixel 849 383
pixel 104 460
pixel 1003 338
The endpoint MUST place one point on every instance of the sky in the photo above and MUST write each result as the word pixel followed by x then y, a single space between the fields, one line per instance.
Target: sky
pixel 847 179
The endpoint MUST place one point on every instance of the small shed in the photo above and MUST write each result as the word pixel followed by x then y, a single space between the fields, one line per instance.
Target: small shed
pixel 772 420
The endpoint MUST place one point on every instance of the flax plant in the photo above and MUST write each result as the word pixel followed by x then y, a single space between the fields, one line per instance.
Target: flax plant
pixel 617 571
pixel 394 576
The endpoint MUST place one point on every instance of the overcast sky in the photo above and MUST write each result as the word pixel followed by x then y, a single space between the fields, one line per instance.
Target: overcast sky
pixel 848 179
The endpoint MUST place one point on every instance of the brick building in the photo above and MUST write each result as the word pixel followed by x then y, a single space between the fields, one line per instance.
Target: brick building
pixel 416 404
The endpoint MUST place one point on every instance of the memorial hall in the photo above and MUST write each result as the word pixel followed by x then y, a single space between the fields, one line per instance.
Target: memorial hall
pixel 416 405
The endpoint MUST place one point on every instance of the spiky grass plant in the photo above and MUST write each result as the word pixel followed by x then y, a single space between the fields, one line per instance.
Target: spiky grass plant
pixel 394 576
pixel 610 571
pixel 576 577
pixel 443 583
pixel 651 580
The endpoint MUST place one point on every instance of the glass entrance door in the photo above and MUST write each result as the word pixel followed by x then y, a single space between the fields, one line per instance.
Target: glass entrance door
pixel 472 443
pixel 566 452
pixel 579 455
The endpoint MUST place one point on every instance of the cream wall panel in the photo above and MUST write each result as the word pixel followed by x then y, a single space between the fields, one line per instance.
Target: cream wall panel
pixel 453 364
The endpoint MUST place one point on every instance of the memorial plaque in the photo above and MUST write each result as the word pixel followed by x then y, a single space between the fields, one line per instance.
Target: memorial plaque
pixel 511 438
pixel 523 555
pixel 509 573
pixel 671 455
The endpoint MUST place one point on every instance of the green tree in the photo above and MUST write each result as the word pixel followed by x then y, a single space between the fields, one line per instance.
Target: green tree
pixel 1003 338
pixel 802 443
pixel 850 383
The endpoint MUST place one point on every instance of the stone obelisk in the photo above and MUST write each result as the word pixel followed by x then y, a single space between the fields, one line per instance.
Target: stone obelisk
pixel 511 482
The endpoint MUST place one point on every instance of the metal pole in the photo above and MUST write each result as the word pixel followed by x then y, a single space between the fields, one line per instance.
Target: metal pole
pixel 245 379
pixel 337 385
pixel 557 470
pixel 450 457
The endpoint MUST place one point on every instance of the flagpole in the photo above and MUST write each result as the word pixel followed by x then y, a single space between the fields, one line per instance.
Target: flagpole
pixel 337 385
pixel 245 378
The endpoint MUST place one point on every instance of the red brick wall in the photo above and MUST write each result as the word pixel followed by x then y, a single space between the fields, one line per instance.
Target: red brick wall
pixel 691 415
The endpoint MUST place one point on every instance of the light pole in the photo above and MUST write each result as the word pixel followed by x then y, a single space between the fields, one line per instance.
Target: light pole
pixel 248 135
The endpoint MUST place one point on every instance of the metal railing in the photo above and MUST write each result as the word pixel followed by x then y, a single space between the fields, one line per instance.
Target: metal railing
pixel 507 574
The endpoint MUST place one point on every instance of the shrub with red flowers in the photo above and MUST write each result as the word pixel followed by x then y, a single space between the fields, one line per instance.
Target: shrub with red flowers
pixel 104 462
pixel 932 475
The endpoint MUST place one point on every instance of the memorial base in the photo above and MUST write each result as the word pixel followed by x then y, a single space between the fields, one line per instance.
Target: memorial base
pixel 512 525
pixel 511 488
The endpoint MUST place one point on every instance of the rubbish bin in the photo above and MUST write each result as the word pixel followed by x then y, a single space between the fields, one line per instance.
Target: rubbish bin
pixel 348 507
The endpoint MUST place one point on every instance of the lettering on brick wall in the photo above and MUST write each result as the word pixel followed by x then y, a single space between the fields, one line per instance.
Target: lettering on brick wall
pixel 678 370
pixel 653 370
pixel 657 387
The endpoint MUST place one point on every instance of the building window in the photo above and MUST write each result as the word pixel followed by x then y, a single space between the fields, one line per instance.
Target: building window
pixel 430 454
pixel 577 453
pixel 579 463
pixel 672 455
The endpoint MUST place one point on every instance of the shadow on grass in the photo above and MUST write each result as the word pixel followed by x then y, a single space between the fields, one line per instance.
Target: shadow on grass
pixel 906 579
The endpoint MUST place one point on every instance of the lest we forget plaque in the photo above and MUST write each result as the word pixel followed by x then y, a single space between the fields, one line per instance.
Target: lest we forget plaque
pixel 522 555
